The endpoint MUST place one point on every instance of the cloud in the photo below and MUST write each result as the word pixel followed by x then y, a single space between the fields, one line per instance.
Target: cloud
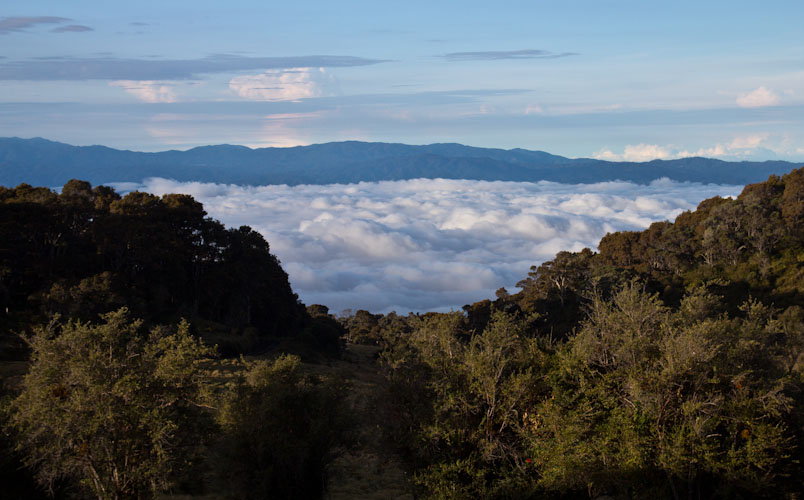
pixel 534 109
pixel 108 68
pixel 148 90
pixel 748 141
pixel 71 28
pixel 636 153
pixel 284 85
pixel 182 130
pixel 497 55
pixel 14 24
pixel 741 147
pixel 430 244
pixel 758 98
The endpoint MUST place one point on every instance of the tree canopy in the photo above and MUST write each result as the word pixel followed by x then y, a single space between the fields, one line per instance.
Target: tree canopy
pixel 88 251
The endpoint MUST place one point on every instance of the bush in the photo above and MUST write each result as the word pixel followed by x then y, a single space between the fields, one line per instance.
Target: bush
pixel 111 406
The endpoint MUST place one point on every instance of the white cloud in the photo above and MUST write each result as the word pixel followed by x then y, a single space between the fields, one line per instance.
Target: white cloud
pixel 606 154
pixel 646 152
pixel 285 85
pixel 431 244
pixel 748 141
pixel 272 130
pixel 758 98
pixel 534 109
pixel 715 151
pixel 148 90
pixel 739 148
pixel 637 153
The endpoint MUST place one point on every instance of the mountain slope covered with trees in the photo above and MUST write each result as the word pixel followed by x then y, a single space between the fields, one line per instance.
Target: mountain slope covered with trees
pixel 101 398
pixel 88 251
pixel 668 364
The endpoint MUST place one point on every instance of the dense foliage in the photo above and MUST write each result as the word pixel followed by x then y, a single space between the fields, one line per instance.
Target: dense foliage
pixel 280 428
pixel 88 251
pixel 123 408
pixel 114 411
pixel 111 406
pixel 669 365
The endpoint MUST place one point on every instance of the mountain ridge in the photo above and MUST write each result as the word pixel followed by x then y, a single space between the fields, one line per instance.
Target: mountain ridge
pixel 39 161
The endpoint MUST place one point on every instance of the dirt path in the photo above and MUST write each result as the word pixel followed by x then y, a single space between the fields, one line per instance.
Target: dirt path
pixel 367 471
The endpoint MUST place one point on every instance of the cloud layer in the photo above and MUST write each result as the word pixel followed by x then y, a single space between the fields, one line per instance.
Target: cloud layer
pixel 496 55
pixel 741 147
pixel 430 244
pixel 12 24
pixel 108 68
pixel 72 28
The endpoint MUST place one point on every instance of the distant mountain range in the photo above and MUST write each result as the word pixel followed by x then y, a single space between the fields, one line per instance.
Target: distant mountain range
pixel 41 162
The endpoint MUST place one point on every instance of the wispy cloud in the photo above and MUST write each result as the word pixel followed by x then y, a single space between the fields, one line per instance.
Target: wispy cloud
pixel 108 68
pixel 496 55
pixel 431 244
pixel 12 24
pixel 71 28
pixel 758 98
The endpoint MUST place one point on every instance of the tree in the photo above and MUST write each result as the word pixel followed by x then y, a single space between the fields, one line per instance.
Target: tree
pixel 88 251
pixel 651 402
pixel 459 398
pixel 111 405
pixel 280 430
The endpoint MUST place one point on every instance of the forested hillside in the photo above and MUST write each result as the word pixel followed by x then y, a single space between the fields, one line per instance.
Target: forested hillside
pixel 121 319
pixel 88 251
pixel 668 364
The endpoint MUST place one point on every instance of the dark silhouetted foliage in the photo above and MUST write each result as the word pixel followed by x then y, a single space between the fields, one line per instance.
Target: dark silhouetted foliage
pixel 89 251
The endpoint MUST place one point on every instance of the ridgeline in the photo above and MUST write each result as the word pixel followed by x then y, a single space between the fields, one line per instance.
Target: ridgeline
pixel 47 163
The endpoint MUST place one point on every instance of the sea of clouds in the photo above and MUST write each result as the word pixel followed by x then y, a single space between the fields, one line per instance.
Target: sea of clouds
pixel 430 245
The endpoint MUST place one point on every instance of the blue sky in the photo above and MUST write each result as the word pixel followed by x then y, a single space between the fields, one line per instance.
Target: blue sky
pixel 632 80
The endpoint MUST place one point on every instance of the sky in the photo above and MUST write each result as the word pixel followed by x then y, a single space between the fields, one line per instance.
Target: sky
pixel 430 245
pixel 620 80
